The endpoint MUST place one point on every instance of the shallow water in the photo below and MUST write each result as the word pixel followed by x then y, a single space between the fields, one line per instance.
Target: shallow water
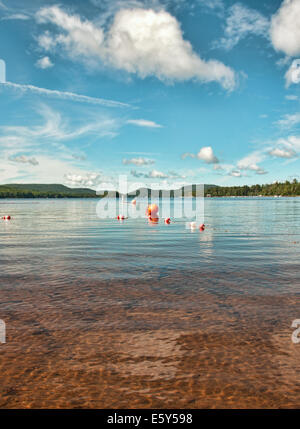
pixel 101 313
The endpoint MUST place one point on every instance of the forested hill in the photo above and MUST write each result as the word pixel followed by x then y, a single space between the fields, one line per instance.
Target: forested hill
pixel 286 189
pixel 60 191
pixel 44 191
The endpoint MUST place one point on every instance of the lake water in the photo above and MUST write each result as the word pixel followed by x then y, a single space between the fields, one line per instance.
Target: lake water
pixel 102 313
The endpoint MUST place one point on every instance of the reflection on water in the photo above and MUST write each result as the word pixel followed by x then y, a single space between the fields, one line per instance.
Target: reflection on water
pixel 101 313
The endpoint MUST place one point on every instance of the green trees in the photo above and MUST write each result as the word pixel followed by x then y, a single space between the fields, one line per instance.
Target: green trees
pixel 287 189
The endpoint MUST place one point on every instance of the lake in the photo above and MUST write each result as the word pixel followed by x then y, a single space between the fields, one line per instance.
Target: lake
pixel 108 314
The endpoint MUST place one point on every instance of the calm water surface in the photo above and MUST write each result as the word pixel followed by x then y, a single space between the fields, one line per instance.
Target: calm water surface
pixel 101 313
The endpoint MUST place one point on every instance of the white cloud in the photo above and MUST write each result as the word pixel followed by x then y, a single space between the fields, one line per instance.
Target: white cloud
pixel 23 159
pixel 44 63
pixel 251 161
pixel 156 174
pixel 138 161
pixel 240 23
pixel 52 130
pixel 289 120
pixel 292 143
pixel 63 95
pixel 235 173
pixel 144 42
pixel 83 180
pixel 291 97
pixel 205 154
pixel 283 153
pixel 144 123
pixel 15 16
pixel 285 28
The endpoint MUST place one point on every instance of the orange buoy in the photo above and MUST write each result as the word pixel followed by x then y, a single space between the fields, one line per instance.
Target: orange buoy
pixel 152 210
pixel 133 202
pixel 167 220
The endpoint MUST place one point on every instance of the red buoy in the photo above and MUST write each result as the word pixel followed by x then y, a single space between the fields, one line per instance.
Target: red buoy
pixel 202 227
pixel 168 220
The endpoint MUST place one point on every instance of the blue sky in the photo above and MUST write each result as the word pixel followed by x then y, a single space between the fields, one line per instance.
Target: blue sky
pixel 163 91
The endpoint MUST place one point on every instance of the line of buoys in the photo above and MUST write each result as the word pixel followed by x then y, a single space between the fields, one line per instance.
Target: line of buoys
pixel 6 217
pixel 152 215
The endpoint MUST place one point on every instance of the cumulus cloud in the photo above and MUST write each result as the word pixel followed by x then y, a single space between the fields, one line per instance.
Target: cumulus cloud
pixel 285 28
pixel 205 154
pixel 145 42
pixel 283 153
pixel 138 161
pixel 143 123
pixel 240 23
pixel 83 180
pixel 23 159
pixel 44 63
pixel 287 148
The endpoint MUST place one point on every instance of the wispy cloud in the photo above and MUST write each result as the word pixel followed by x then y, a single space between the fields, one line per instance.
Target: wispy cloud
pixel 143 123
pixel 156 174
pixel 23 159
pixel 63 95
pixel 241 22
pixel 291 97
pixel 15 16
pixel 289 121
pixel 251 161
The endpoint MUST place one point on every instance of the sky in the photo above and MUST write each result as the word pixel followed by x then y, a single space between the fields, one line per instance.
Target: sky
pixel 166 92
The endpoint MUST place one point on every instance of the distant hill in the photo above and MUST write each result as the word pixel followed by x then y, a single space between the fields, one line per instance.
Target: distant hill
pixel 15 190
pixel 60 191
